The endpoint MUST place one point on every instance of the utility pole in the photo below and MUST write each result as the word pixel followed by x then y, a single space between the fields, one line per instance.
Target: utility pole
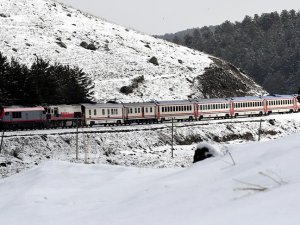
pixel 77 139
pixel 1 140
pixel 259 131
pixel 172 144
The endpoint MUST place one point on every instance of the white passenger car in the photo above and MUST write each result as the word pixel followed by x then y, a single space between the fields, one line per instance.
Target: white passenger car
pixel 142 112
pixel 213 108
pixel 103 113
pixel 178 110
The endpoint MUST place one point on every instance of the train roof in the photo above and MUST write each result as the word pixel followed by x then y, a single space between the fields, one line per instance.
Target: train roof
pixel 65 105
pixel 247 98
pixel 22 108
pixel 103 105
pixel 273 97
pixel 174 102
pixel 212 100
pixel 135 104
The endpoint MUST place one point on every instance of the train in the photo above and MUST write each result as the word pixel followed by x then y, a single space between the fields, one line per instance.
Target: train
pixel 118 113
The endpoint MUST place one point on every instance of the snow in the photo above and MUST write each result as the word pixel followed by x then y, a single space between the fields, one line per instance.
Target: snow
pixel 262 188
pixel 143 146
pixel 32 29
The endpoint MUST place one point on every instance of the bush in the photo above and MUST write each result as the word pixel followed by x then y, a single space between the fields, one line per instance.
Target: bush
pixel 91 47
pixel 126 90
pixel 61 44
pixel 135 83
pixel 154 61
pixel 84 44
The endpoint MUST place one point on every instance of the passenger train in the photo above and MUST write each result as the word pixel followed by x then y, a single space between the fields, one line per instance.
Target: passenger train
pixel 112 113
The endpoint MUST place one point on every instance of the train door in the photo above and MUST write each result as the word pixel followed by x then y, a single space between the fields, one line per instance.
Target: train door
pixel 143 112
pixel 55 111
pixel 231 104
pixel 295 106
pixel 126 112
pixel 265 106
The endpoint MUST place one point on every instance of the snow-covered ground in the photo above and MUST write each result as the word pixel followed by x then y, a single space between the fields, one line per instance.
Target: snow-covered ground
pixel 139 146
pixel 261 188
pixel 34 28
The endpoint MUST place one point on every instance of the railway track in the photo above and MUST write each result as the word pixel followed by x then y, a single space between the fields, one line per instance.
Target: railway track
pixel 131 128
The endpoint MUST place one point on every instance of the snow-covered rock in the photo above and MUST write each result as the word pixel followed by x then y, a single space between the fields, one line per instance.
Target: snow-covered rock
pixel 113 55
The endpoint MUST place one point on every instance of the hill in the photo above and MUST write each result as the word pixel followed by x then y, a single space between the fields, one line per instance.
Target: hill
pixel 266 47
pixel 123 63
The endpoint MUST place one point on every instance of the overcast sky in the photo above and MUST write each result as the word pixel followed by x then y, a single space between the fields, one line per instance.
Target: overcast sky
pixel 169 16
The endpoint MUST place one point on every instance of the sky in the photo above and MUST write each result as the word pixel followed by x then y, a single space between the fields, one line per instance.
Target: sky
pixel 169 16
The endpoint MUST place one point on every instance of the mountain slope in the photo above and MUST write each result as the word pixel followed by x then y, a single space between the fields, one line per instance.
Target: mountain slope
pixel 111 54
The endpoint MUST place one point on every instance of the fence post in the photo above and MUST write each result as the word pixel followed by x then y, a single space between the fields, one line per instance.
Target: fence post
pixel 259 131
pixel 77 139
pixel 1 140
pixel 172 144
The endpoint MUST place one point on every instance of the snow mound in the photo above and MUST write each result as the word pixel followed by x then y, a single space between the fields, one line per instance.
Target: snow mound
pixel 262 188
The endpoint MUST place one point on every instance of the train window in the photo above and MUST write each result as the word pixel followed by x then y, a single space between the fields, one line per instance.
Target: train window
pixel 16 115
pixel 151 109
pixel 90 112
pixel 139 110
pixel 103 111
pixel 108 112
pixel 135 110
pixel 173 109
pixel 95 111
pixel 176 108
pixel 163 109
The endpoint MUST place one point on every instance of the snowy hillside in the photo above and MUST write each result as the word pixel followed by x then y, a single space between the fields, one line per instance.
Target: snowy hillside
pixel 262 188
pixel 48 29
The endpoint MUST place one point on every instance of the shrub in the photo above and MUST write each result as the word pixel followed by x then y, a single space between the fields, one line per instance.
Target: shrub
pixel 154 61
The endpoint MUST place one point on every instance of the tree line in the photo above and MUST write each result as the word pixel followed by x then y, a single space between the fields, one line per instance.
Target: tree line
pixel 42 83
pixel 266 47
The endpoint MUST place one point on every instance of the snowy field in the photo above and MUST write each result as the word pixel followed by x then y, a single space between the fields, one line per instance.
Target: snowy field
pixel 144 146
pixel 262 188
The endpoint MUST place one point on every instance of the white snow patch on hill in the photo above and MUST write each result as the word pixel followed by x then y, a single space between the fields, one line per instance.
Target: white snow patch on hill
pixel 262 188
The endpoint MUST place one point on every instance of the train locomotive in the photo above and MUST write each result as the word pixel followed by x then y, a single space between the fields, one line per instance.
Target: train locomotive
pixel 113 113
